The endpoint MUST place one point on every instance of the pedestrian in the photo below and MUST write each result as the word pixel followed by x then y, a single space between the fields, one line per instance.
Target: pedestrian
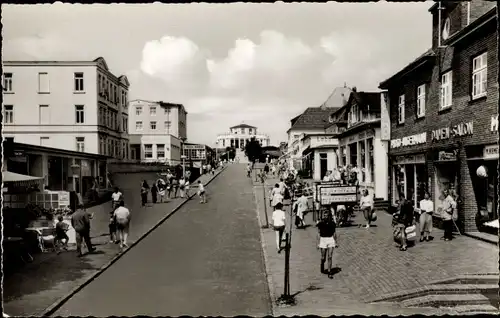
pixel 144 193
pixel 116 197
pixel 201 192
pixel 204 169
pixel 182 184
pixel 154 193
pixel 80 220
pixel 175 187
pixel 405 219
pixel 327 241
pixel 276 196
pixel 448 214
pixel 209 168
pixel 186 188
pixel 213 170
pixel 61 236
pixel 279 219
pixel 273 170
pixel 426 211
pixel 366 205
pixel 122 219
pixel 169 188
pixel 249 170
pixel 266 169
pixel 301 206
pixel 161 184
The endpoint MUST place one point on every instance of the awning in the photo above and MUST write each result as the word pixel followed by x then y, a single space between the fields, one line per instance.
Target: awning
pixel 19 179
pixel 492 224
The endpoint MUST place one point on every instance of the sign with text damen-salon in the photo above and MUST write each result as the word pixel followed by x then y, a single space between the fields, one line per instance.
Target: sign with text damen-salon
pixel 460 130
pixel 409 140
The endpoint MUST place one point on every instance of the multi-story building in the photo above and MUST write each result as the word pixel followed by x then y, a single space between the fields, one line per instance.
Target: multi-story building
pixel 314 120
pixel 238 137
pixel 70 105
pixel 444 115
pixel 157 131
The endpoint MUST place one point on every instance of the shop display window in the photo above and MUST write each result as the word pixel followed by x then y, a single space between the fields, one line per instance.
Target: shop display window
pixel 371 162
pixel 421 177
pixel 363 157
pixel 445 179
pixel 353 154
pixel 398 182
pixel 485 189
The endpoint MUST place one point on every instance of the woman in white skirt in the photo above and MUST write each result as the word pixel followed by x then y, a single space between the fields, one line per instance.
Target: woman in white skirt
pixel 279 222
pixel 327 240
pixel 276 196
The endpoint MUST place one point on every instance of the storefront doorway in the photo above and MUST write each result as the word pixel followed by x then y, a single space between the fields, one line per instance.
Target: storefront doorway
pixel 353 154
pixel 445 179
pixel 323 164
pixel 55 177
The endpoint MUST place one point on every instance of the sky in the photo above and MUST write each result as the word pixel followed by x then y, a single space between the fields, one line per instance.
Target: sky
pixel 261 64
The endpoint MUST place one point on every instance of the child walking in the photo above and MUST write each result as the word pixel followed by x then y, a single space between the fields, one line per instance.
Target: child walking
pixel 201 192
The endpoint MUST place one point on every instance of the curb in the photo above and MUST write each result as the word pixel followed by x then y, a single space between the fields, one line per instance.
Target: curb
pixel 270 284
pixel 57 304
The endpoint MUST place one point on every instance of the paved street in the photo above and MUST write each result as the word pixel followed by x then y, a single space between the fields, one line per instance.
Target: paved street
pixel 37 286
pixel 204 260
pixel 371 266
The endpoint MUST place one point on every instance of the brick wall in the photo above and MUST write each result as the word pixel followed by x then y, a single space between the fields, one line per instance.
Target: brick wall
pixel 464 109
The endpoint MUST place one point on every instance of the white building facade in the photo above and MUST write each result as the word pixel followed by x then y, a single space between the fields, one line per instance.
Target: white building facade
pixel 239 135
pixel 157 131
pixel 71 105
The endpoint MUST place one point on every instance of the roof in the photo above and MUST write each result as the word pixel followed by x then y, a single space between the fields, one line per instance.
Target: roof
pixel 242 126
pixel 313 118
pixel 429 55
pixel 160 103
pixel 363 99
pixel 338 97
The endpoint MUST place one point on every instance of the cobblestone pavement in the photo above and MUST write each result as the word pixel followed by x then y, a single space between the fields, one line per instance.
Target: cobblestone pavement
pixel 371 266
pixel 204 260
pixel 50 277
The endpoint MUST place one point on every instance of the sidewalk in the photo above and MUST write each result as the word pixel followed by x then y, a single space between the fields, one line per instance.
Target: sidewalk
pixel 371 266
pixel 51 277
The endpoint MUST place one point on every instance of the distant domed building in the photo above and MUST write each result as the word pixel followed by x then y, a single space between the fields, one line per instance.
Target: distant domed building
pixel 238 136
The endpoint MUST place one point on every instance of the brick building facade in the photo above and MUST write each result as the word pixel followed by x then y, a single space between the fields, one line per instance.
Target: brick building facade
pixel 444 115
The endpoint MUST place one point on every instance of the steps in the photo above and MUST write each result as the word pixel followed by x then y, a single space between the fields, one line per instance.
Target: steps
pixel 470 293
pixel 380 204
pixel 240 154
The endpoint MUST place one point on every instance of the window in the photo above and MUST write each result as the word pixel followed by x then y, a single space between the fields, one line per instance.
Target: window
pixel 421 100
pixel 242 130
pixel 446 80
pixel 102 147
pixel 160 151
pixel 167 127
pixel 79 82
pixel 371 162
pixel 138 110
pixel 7 82
pixel 152 110
pixel 138 125
pixel 8 114
pixel 250 131
pixel 80 144
pixel 80 114
pixel 44 114
pixel 479 75
pixel 167 110
pixel 43 83
pixel 148 151
pixel 152 125
pixel 401 109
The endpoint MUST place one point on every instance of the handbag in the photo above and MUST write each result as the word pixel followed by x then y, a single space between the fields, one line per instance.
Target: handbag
pixel 374 217
pixel 411 233
pixel 454 214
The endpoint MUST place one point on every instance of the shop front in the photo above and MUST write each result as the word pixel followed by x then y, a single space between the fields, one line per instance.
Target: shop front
pixel 363 150
pixel 482 163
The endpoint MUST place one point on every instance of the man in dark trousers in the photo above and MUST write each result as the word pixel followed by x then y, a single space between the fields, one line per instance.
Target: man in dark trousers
pixel 80 220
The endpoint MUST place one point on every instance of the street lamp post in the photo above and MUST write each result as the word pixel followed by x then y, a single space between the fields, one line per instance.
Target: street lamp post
pixel 183 157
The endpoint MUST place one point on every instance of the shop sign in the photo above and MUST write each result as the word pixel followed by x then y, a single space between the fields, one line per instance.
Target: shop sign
pixel 494 123
pixel 490 152
pixel 409 140
pixel 447 155
pixel 460 130
pixel 325 138
pixel 194 147
pixel 337 194
pixel 19 153
pixel 410 159
pixel 385 121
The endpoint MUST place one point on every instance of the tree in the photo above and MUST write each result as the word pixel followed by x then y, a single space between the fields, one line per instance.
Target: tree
pixel 253 150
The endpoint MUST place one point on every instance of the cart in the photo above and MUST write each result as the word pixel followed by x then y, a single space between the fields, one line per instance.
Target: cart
pixel 339 194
